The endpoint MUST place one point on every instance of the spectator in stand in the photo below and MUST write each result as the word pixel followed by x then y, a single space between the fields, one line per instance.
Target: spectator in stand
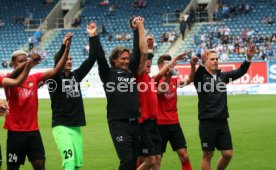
pixel 257 38
pixel 118 37
pixel 31 43
pixel 76 22
pixel 189 21
pixel 172 36
pixel 241 8
pixel 109 37
pixel 177 14
pixel 202 37
pixel 273 38
pixel 236 50
pixel 250 33
pixel 192 14
pixel 1 23
pixel 139 3
pixel 182 27
pixel 241 49
pixel 224 56
pixel 128 36
pixel 247 8
pixel 232 11
pixel 165 37
pixel 265 20
pixel 264 38
pixel 231 48
pixel 270 20
pixel 112 9
pixel 200 50
pixel 194 38
pixel 225 11
pixel 104 3
pixel 14 20
pixel 270 52
pixel 219 48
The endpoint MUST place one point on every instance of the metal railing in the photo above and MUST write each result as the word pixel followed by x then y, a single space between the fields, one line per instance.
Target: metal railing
pixel 171 18
pixel 36 24
pixel 59 23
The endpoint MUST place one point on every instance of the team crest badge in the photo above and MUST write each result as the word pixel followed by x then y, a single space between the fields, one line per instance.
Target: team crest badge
pixel 173 86
pixel 30 84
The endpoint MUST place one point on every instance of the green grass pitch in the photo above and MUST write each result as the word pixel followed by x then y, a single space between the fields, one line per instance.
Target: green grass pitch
pixel 252 124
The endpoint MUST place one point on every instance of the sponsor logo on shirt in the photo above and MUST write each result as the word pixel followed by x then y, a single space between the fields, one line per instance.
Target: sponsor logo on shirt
pixel 24 92
pixel 126 79
pixel 71 88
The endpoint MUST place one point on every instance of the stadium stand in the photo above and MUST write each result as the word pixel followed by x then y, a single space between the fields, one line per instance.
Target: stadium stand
pixel 14 13
pixel 263 35
pixel 112 20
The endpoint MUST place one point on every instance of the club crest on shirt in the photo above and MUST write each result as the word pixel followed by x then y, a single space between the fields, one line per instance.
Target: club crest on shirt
pixel 30 84
pixel 173 86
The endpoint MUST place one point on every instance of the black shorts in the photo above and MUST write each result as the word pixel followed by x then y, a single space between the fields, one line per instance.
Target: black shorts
pixel 20 144
pixel 215 133
pixel 174 134
pixel 125 137
pixel 150 142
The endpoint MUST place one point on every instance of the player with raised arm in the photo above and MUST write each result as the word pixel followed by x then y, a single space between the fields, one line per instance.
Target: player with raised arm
pixel 24 137
pixel 210 83
pixel 168 121
pixel 121 92
pixel 68 114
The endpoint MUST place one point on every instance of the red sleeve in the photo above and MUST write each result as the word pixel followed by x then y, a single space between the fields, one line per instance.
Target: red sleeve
pixel 38 77
pixel 1 79
pixel 175 80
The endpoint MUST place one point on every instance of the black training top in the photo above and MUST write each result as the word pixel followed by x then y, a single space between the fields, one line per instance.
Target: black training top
pixel 65 94
pixel 119 85
pixel 212 94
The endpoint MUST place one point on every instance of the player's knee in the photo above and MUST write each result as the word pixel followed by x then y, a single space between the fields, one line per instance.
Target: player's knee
pixel 38 164
pixel 227 155
pixel 158 159
pixel 153 160
pixel 208 154
pixel 184 158
pixel 183 155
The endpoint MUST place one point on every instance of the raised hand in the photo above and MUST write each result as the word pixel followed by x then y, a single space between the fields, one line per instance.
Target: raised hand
pixel 137 22
pixel 251 51
pixel 67 36
pixel 68 40
pixel 36 57
pixel 91 29
pixel 181 56
pixel 204 56
pixel 31 63
pixel 194 60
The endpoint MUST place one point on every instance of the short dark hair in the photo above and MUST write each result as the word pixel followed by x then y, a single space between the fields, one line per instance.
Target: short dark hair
pixel 162 58
pixel 116 52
